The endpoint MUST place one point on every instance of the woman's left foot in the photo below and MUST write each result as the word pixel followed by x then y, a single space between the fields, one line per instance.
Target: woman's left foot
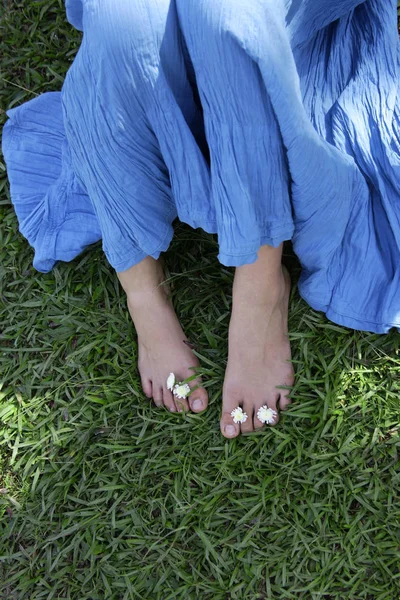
pixel 259 352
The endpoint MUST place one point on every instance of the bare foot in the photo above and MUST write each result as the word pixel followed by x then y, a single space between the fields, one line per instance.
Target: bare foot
pixel 259 350
pixel 162 347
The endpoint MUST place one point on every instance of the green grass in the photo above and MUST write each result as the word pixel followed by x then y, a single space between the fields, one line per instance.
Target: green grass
pixel 103 496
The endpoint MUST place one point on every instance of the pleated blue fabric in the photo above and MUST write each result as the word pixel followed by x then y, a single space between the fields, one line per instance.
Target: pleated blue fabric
pixel 258 120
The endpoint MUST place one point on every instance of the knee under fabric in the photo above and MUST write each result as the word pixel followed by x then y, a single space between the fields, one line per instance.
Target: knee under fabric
pixel 300 125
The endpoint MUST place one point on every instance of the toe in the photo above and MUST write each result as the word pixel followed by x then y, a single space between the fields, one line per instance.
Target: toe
pixel 256 422
pixel 147 387
pixel 229 429
pixel 288 383
pixel 168 400
pixel 198 400
pixel 273 403
pixel 157 395
pixel 181 404
pixel 247 426
pixel 284 401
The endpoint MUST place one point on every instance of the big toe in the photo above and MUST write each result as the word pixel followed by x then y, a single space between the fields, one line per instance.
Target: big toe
pixel 198 400
pixel 229 429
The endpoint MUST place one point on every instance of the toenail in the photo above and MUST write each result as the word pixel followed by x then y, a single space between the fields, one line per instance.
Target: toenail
pixel 230 430
pixel 197 404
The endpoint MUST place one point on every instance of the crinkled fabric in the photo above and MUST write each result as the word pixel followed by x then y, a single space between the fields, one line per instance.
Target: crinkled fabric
pixel 258 120
pixel 74 10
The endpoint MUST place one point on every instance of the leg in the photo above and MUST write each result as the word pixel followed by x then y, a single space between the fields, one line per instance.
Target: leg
pixel 110 100
pixel 249 175
pixel 250 190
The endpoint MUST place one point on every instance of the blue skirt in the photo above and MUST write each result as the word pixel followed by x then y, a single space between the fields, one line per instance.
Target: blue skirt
pixel 261 121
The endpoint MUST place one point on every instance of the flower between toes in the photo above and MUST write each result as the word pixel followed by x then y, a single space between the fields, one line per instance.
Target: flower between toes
pixel 266 415
pixel 238 415
pixel 181 390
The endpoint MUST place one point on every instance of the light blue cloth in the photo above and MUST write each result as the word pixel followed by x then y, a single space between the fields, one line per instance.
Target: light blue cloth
pixel 259 120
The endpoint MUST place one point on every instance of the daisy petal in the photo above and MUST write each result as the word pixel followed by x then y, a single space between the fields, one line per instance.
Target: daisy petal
pixel 171 381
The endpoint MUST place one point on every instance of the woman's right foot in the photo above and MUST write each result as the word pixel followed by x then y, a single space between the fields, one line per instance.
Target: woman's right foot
pixel 161 340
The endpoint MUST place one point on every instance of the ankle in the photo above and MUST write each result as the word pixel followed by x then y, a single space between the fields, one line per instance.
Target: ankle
pixel 258 289
pixel 145 277
pixel 150 297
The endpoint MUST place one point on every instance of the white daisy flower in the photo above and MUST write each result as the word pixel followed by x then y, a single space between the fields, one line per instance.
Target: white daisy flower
pixel 266 415
pixel 171 381
pixel 181 390
pixel 238 415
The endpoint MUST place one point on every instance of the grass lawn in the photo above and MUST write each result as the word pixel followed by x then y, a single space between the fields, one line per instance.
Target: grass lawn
pixel 102 496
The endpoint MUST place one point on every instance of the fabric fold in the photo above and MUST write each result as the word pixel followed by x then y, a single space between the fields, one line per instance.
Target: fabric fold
pixel 260 121
pixel 54 212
